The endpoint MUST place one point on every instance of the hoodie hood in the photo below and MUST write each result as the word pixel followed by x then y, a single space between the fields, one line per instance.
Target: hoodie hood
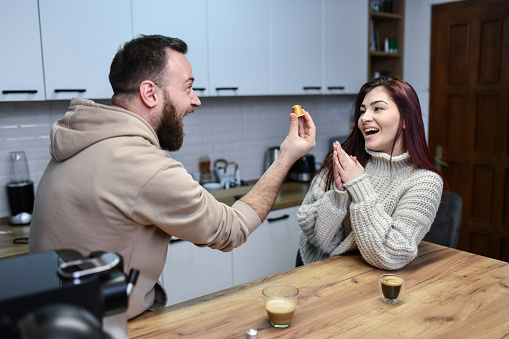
pixel 87 123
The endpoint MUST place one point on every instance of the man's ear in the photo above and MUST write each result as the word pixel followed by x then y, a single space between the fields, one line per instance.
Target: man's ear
pixel 148 93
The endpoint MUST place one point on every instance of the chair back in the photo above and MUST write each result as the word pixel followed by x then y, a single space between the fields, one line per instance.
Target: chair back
pixel 446 227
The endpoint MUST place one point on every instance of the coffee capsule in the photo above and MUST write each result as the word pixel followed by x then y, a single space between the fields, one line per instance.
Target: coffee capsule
pixel 297 109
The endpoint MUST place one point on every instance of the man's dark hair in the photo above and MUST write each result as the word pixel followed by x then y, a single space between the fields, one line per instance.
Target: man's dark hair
pixel 143 58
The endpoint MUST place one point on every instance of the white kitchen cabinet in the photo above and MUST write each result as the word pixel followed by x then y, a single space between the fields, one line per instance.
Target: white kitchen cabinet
pixel 239 47
pixel 228 41
pixel 272 248
pixel 21 59
pixel 192 271
pixel 79 42
pixel 296 47
pixel 186 20
pixel 345 49
pixel 250 47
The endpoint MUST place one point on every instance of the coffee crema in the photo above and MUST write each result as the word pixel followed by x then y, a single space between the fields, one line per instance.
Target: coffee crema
pixel 280 312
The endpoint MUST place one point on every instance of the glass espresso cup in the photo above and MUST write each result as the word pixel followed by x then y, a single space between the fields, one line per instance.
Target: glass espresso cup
pixel 391 287
pixel 280 304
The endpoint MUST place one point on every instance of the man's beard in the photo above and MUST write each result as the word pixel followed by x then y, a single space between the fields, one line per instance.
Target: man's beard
pixel 170 131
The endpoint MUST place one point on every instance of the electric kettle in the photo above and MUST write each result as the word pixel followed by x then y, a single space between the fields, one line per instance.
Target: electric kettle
pixel 270 156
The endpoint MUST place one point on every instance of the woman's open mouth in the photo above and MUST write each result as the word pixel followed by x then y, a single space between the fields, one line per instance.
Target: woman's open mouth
pixel 371 132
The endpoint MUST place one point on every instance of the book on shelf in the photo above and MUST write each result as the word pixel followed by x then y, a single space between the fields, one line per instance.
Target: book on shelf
pixel 393 45
pixel 377 40
pixel 380 73
pixel 383 6
pixel 372 44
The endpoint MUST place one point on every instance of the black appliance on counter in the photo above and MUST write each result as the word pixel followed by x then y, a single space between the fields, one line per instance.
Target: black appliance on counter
pixel 61 294
pixel 20 189
pixel 303 169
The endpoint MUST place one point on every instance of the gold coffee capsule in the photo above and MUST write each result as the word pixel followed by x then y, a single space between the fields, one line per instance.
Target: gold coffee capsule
pixel 297 110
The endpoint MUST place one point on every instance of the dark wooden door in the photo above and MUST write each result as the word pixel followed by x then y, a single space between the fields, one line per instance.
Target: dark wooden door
pixel 469 108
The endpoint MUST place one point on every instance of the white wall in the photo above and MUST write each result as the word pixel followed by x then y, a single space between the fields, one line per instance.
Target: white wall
pixel 239 129
pixel 416 64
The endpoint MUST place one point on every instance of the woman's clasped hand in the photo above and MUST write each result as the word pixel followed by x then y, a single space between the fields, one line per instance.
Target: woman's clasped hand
pixel 346 167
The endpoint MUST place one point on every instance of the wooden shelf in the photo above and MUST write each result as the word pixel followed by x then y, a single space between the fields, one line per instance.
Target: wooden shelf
pixel 382 26
pixel 385 54
pixel 383 15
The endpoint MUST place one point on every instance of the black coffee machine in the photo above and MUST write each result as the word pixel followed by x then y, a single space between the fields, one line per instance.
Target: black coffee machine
pixel 20 190
pixel 61 294
pixel 303 169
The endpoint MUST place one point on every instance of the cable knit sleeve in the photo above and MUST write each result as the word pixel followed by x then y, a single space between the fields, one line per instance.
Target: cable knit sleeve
pixel 321 215
pixel 390 241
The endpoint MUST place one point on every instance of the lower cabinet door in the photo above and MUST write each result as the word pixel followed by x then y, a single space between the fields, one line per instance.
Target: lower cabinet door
pixel 271 249
pixel 192 271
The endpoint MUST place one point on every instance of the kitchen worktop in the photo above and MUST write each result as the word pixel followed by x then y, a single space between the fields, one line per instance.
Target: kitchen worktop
pixel 7 236
pixel 290 194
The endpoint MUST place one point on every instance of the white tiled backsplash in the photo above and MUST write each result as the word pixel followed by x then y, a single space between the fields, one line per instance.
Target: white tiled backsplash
pixel 237 129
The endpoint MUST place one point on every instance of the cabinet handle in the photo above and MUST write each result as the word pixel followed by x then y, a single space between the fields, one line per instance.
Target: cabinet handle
pixel 81 90
pixel 312 87
pixel 283 217
pixel 226 88
pixel 199 88
pixel 174 240
pixel 336 87
pixel 28 91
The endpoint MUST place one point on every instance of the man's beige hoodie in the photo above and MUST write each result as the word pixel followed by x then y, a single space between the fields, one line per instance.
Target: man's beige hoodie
pixel 109 187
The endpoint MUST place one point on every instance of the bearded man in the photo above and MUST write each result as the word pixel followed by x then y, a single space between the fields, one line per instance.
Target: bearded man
pixel 110 186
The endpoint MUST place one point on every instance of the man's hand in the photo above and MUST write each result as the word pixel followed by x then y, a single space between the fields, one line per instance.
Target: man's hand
pixel 300 140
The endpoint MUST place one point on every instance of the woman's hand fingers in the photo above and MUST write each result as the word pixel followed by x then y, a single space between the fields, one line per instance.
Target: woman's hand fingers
pixel 349 168
pixel 336 169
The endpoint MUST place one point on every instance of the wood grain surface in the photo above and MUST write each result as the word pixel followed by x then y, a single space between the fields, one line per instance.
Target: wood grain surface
pixel 291 194
pixel 448 293
pixel 8 233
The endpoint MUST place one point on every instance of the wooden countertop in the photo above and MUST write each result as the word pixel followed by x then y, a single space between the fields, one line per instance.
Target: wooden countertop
pixel 447 293
pixel 291 194
pixel 7 235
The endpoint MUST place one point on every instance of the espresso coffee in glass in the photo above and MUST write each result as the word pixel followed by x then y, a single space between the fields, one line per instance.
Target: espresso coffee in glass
pixel 391 287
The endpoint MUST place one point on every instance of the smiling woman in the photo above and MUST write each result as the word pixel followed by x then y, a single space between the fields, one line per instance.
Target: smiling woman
pixel 378 192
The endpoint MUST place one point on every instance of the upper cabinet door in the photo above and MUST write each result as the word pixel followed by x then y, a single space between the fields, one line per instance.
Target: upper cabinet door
pixel 79 42
pixel 186 20
pixel 239 47
pixel 20 60
pixel 345 48
pixel 296 46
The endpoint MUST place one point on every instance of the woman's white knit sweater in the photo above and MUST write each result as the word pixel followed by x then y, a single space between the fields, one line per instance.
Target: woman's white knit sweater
pixel 384 213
